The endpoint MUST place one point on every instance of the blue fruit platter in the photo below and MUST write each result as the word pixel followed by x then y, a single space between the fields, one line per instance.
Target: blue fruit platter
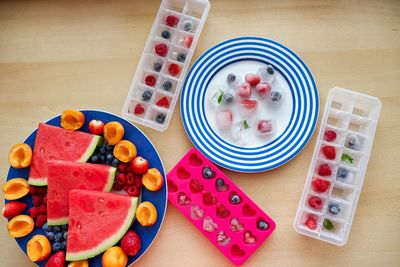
pixel 144 148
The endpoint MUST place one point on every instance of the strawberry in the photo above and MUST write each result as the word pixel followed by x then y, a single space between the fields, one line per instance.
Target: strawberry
pixel 37 201
pixel 330 136
pixel 139 110
pixel 57 260
pixel 150 80
pixel 244 90
pixel 163 102
pixel 122 167
pixel 174 69
pixel 41 220
pixel 263 89
pixel 13 208
pixel 253 79
pixel 161 50
pixel 311 222
pixel 329 152
pixel 131 243
pixel 320 186
pixel 172 20
pixel 324 170
pixel 315 203
pixel 34 212
pixel 188 41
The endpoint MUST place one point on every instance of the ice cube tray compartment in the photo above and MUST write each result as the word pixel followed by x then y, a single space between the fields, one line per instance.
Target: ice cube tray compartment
pixel 217 207
pixel 348 125
pixel 166 56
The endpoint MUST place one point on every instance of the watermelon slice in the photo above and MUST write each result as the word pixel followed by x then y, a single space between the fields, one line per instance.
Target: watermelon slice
pixel 55 143
pixel 63 176
pixel 98 221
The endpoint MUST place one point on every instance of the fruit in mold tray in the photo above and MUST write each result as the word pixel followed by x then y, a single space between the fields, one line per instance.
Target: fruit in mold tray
pixel 138 110
pixel 160 118
pixel 57 260
pixel 174 69
pixel 252 79
pixel 125 151
pixel 56 143
pixel 20 226
pixel 72 119
pixel 146 213
pixel 113 132
pixel 165 35
pixel 161 49
pixel 64 176
pixel 153 179
pixel 157 66
pixel 20 156
pixel 114 257
pixel 38 248
pixel 334 208
pixel 330 136
pixel 329 152
pixel 15 188
pixel 131 243
pixel 244 90
pixel 13 208
pixel 97 221
pixel 96 127
pixel 324 170
pixel 150 80
pixel 188 41
pixel 315 203
pixel 187 25
pixel 311 222
pixel 172 20
pixel 320 186
pixel 163 102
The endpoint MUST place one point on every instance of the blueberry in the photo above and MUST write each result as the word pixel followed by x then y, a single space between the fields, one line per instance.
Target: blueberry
pixel 146 95
pixel 167 85
pixel 270 70
pixel 108 147
pixel 64 245
pixel 160 118
pixel 181 57
pixel 342 173
pixel 64 227
pixel 235 199
pixel 187 25
pixel 56 229
pixel 208 173
pixel 275 96
pixel 65 235
pixel 334 208
pixel 219 182
pixel 109 156
pixel 56 246
pixel 228 98
pixel 114 162
pixel 262 225
pixel 44 227
pixel 231 78
pixel 353 142
pixel 59 237
pixel 102 159
pixel 165 35
pixel 50 235
pixel 102 150
pixel 49 229
pixel 94 158
pixel 157 66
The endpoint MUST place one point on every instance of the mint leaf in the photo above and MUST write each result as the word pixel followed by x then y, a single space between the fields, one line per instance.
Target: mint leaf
pixel 221 94
pixel 347 158
pixel 245 125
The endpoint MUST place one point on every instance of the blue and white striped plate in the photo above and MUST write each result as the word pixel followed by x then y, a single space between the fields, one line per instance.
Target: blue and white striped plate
pixel 301 93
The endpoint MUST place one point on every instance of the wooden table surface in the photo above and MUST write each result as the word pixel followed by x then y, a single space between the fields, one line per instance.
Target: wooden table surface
pixel 83 54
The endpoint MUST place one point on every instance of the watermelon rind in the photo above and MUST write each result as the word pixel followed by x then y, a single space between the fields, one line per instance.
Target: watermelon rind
pixel 65 220
pixel 37 181
pixel 109 242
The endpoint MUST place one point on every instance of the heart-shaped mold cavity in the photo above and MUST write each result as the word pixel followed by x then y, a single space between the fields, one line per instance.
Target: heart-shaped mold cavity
pixel 249 238
pixel 172 187
pixel 236 251
pixel 209 199
pixel 196 212
pixel 183 199
pixel 248 211
pixel 196 186
pixel 220 185
pixel 223 239
pixel 209 225
pixel 207 172
pixel 234 198
pixel 222 211
pixel 262 224
pixel 194 160
pixel 182 173
pixel 236 226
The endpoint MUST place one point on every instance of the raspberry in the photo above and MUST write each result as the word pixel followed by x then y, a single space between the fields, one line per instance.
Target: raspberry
pixel 34 212
pixel 126 187
pixel 138 181
pixel 44 200
pixel 41 220
pixel 174 69
pixel 329 152
pixel 329 136
pixel 130 179
pixel 37 201
pixel 43 209
pixel 163 102
pixel 172 20
pixel 42 190
pixel 320 185
pixel 121 179
pixel 33 190
pixel 324 170
pixel 161 50
pixel 150 80
pixel 118 187
pixel 139 110
pixel 122 167
pixel 133 191
pixel 315 203
pixel 311 222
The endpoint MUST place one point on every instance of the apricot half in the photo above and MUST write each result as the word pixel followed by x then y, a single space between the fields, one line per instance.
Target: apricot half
pixel 146 213
pixel 20 226
pixel 20 156
pixel 72 119
pixel 114 257
pixel 38 248
pixel 15 188
pixel 153 179
pixel 83 263
pixel 113 132
pixel 125 151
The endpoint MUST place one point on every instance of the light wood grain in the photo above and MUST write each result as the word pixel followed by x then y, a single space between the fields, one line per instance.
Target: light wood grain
pixel 83 54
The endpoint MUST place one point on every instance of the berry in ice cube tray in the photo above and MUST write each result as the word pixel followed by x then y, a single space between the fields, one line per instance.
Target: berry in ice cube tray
pixel 161 49
pixel 263 89
pixel 224 119
pixel 167 85
pixel 150 80
pixel 165 34
pixel 324 170
pixel 207 172
pixel 330 136
pixel 174 69
pixel 220 185
pixel 223 239
pixel 311 221
pixel 342 173
pixel 188 41
pixel 146 95
pixel 265 127
pixel 334 208
pixel 244 91
pixel 329 152
pixel 187 25
pixel 163 102
pixel 247 107
pixel 160 118
pixel 157 66
pixel 353 142
pixel 320 186
pixel 252 79
pixel 315 203
pixel 172 20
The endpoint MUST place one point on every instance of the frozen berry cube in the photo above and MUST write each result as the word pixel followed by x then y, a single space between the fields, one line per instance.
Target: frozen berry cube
pixel 224 119
pixel 247 107
pixel 265 127
pixel 263 90
pixel 244 91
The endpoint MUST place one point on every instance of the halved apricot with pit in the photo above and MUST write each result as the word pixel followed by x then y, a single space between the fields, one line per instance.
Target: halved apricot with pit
pixel 72 119
pixel 20 156
pixel 15 188
pixel 125 151
pixel 153 179
pixel 20 226
pixel 113 132
pixel 146 213
pixel 38 248
pixel 83 263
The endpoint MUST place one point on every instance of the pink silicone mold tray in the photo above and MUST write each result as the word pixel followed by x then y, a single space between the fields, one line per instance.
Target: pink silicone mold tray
pixel 217 207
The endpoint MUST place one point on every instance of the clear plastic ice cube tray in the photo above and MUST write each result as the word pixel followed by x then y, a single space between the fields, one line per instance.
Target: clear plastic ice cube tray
pixel 160 73
pixel 329 201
